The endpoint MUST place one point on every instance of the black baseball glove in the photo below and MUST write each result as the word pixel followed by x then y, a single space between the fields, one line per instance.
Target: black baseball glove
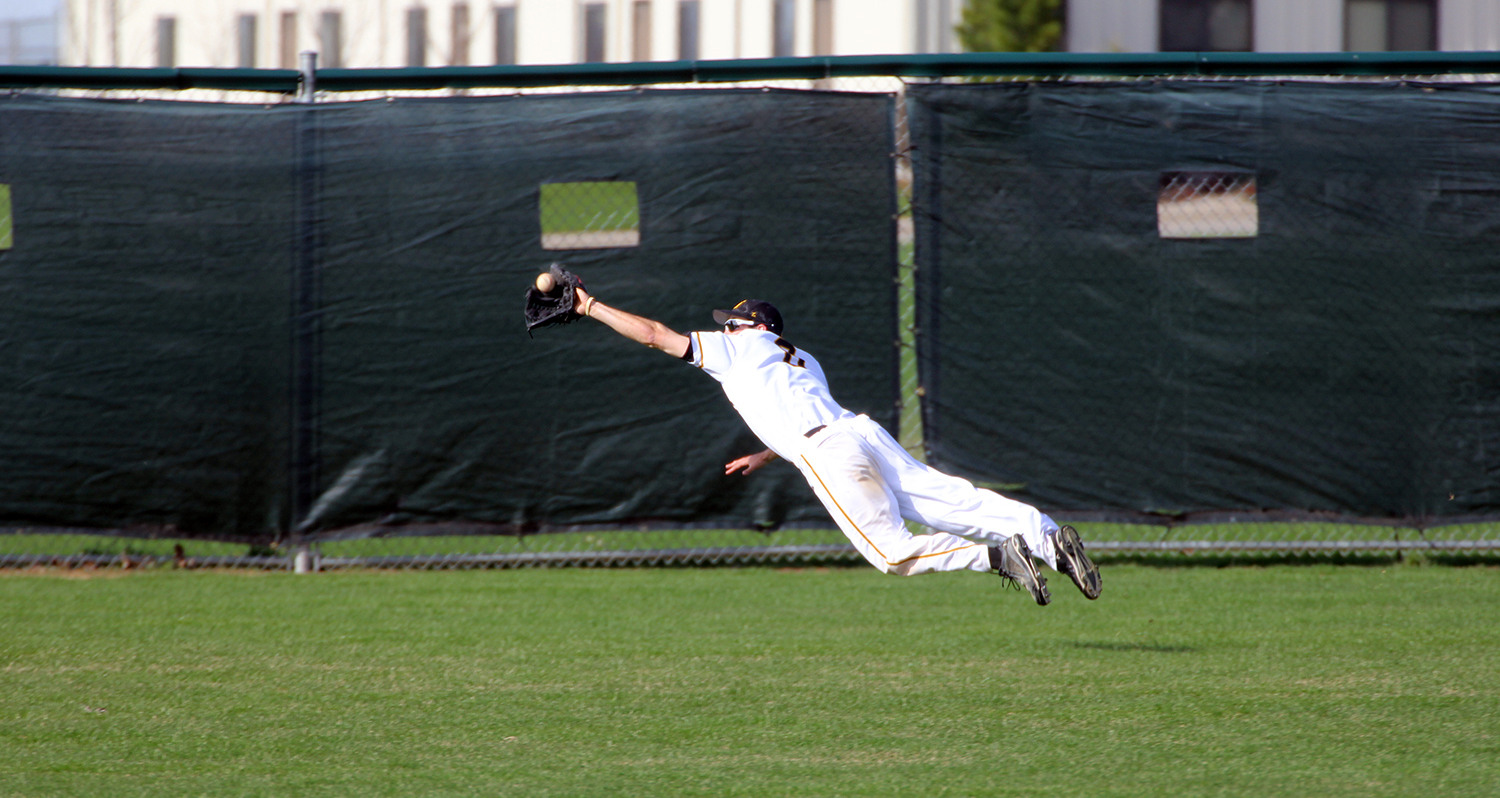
pixel 555 306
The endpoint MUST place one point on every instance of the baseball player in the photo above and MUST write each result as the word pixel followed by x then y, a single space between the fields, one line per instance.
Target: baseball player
pixel 865 479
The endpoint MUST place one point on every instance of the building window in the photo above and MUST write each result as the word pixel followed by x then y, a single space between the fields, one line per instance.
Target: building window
pixel 244 39
pixel 459 23
pixel 166 41
pixel 29 40
pixel 640 41
pixel 416 37
pixel 784 28
pixel 822 27
pixel 505 34
pixel 7 239
pixel 1205 25
pixel 1207 205
pixel 331 39
pixel 593 32
pixel 289 40
pixel 687 30
pixel 601 215
pixel 1375 25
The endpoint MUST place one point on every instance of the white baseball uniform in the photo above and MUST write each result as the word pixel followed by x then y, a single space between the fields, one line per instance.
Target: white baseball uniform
pixel 864 478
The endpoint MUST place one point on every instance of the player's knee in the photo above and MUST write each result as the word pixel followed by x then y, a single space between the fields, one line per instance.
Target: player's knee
pixel 908 568
pixel 903 561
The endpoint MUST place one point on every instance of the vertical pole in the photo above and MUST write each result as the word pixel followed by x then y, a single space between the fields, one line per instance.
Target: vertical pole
pixel 309 84
pixel 306 323
pixel 894 209
pixel 927 204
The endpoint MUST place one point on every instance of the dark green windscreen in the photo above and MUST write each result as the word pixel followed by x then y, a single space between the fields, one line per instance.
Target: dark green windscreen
pixel 143 335
pixel 1342 360
pixel 220 319
pixel 437 406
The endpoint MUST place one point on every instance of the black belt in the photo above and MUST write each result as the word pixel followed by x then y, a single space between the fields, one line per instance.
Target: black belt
pixel 815 430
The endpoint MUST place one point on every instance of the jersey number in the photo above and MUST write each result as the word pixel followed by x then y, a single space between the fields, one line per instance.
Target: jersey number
pixel 791 352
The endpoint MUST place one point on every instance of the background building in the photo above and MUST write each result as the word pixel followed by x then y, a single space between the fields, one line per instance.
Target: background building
pixel 392 33
pixel 1101 26
pixel 28 31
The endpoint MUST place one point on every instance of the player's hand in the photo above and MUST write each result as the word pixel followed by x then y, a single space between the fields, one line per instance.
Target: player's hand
pixel 580 300
pixel 750 463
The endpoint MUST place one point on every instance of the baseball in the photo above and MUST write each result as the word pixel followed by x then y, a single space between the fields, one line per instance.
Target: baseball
pixel 545 283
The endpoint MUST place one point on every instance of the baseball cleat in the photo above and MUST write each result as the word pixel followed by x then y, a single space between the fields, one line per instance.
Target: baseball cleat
pixel 1013 560
pixel 1072 561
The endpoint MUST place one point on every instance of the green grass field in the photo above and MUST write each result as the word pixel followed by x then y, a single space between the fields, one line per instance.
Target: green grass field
pixel 600 205
pixel 1289 680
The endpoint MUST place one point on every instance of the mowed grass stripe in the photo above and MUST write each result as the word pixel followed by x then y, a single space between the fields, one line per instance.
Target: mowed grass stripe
pixel 1310 680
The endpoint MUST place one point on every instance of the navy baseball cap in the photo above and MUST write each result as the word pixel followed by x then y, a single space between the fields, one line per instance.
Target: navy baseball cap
pixel 752 310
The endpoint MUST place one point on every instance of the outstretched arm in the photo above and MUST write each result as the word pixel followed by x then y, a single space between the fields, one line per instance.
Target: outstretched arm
pixel 750 462
pixel 637 328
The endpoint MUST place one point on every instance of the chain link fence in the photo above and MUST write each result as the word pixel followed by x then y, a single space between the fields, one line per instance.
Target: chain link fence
pixel 20 548
pixel 585 215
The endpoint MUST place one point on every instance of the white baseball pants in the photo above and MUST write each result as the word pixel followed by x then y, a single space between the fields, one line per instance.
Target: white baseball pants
pixel 869 484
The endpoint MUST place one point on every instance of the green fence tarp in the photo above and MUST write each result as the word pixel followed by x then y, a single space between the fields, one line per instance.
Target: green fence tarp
pixel 143 338
pixel 1343 361
pixel 436 404
pixel 220 318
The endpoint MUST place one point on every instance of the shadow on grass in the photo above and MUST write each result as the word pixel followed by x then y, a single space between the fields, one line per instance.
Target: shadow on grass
pixel 1466 560
pixel 1243 561
pixel 1263 560
pixel 1155 647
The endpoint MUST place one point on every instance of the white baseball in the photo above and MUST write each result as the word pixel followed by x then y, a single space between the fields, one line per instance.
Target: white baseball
pixel 545 283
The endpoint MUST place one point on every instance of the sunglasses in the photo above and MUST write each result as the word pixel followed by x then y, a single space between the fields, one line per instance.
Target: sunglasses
pixel 737 324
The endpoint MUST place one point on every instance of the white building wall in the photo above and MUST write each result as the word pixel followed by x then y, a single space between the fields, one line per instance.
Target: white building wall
pixel 1112 26
pixel 873 27
pixel 1298 26
pixel 721 31
pixel 1469 24
pixel 664 31
pixel 547 32
pixel 754 30
pixel 550 31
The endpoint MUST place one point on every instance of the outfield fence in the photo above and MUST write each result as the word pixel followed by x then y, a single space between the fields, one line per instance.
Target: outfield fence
pixel 624 548
pixel 588 218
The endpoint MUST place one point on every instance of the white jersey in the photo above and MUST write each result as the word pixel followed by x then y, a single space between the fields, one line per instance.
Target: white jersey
pixel 778 389
pixel 864 478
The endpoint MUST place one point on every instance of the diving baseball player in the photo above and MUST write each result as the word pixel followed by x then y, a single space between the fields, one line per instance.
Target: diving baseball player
pixel 865 479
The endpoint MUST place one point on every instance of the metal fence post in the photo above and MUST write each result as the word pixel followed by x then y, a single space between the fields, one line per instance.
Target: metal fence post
pixel 305 324
pixel 309 70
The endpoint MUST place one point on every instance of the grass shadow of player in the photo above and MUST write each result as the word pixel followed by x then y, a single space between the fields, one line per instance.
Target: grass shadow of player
pixel 1193 560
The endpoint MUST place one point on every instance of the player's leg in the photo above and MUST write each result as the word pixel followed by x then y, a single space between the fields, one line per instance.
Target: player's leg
pixel 953 504
pixel 848 481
